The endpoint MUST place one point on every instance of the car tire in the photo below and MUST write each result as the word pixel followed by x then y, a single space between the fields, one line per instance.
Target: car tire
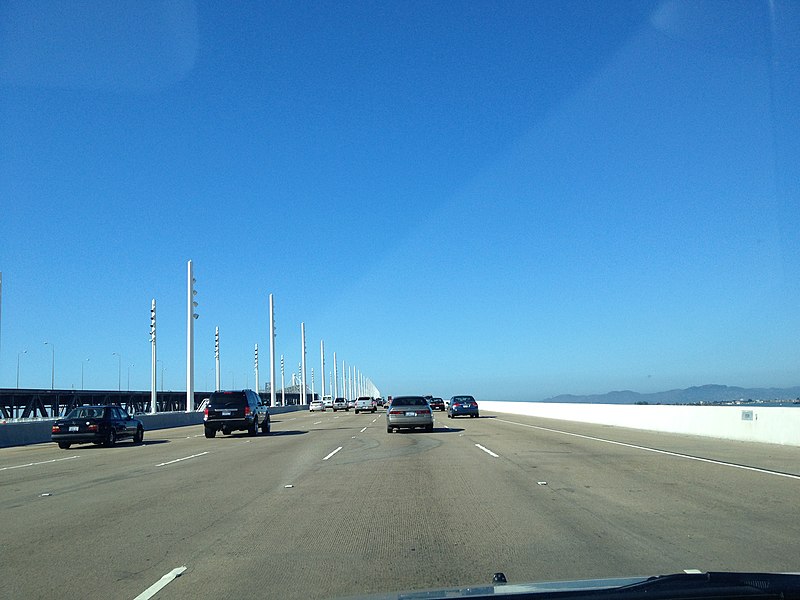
pixel 389 430
pixel 356 411
pixel 226 431
pixel 64 445
pixel 138 438
pixel 429 428
pixel 265 427
pixel 210 432
pixel 111 439
pixel 253 429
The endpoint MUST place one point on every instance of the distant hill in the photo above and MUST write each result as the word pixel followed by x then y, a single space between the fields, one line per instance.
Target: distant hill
pixel 705 394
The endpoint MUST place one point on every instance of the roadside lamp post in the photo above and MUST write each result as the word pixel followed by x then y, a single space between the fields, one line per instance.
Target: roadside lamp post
pixel 119 370
pixel 84 361
pixel 18 355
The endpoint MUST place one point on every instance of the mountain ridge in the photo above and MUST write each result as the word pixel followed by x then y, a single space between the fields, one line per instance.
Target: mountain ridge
pixel 698 394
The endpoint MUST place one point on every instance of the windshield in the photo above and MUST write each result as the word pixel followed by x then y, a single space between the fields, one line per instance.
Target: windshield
pixel 578 221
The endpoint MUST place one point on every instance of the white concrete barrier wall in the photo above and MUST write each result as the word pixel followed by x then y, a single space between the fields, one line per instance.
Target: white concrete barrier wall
pixel 768 424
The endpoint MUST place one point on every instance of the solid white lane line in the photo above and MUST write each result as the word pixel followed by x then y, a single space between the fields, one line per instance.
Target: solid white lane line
pixel 657 451
pixel 33 464
pixel 161 583
pixel 489 452
pixel 332 453
pixel 363 430
pixel 317 422
pixel 180 459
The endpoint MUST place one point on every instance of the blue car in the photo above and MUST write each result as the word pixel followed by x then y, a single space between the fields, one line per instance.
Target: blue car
pixel 462 406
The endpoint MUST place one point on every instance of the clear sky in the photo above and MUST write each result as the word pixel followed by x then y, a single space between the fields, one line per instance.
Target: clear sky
pixel 509 199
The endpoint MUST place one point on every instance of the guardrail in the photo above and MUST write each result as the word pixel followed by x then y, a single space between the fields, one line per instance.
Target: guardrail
pixel 767 424
pixel 21 433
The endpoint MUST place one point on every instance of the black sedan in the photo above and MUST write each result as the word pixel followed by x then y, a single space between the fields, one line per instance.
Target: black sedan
pixel 98 425
pixel 436 404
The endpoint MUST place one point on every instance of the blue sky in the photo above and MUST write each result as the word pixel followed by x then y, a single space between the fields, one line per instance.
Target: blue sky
pixel 509 199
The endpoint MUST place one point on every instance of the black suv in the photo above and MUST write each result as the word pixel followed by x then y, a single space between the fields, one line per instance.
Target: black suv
pixel 236 411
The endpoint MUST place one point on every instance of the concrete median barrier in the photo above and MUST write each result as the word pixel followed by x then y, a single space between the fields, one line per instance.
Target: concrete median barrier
pixel 21 433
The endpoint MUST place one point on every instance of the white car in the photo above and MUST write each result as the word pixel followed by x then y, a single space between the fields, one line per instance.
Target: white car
pixel 328 402
pixel 365 404
pixel 316 405
pixel 340 404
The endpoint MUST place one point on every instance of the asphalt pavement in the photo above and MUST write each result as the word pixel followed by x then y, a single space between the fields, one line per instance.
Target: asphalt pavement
pixel 330 505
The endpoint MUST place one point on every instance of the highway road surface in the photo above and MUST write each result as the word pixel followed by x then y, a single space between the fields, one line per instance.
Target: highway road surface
pixel 330 505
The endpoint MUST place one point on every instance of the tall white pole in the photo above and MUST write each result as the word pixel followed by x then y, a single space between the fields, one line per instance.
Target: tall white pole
pixel 335 377
pixel 344 379
pixel 255 367
pixel 153 381
pixel 216 361
pixel 190 317
pixel 272 355
pixel 330 382
pixel 312 383
pixel 322 369
pixel 283 385
pixel 303 363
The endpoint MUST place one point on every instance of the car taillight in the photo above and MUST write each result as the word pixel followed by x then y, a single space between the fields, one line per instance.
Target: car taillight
pixel 205 414
pixel 246 411
pixel 424 411
pixel 56 429
pixel 93 427
pixel 395 412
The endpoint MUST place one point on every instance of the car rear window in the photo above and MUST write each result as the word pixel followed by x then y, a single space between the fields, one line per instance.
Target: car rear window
pixel 227 400
pixel 409 401
pixel 86 412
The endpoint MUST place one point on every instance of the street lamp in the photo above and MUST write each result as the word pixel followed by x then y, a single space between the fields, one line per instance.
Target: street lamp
pixel 119 370
pixel 83 361
pixel 18 355
pixel 52 366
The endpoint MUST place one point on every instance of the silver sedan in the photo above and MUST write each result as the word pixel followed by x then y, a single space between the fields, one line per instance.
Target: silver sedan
pixel 409 412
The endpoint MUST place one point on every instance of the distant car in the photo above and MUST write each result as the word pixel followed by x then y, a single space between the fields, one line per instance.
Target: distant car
pixel 340 404
pixel 229 411
pixel 409 412
pixel 328 402
pixel 379 402
pixel 96 424
pixel 316 405
pixel 436 404
pixel 351 403
pixel 365 404
pixel 462 405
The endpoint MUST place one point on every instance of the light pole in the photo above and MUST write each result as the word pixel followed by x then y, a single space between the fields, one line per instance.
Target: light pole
pixel 18 355
pixel 322 369
pixel 191 304
pixel 119 370
pixel 272 353
pixel 153 359
pixel 283 385
pixel 217 382
pixel 303 379
pixel 82 363
pixel 52 366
